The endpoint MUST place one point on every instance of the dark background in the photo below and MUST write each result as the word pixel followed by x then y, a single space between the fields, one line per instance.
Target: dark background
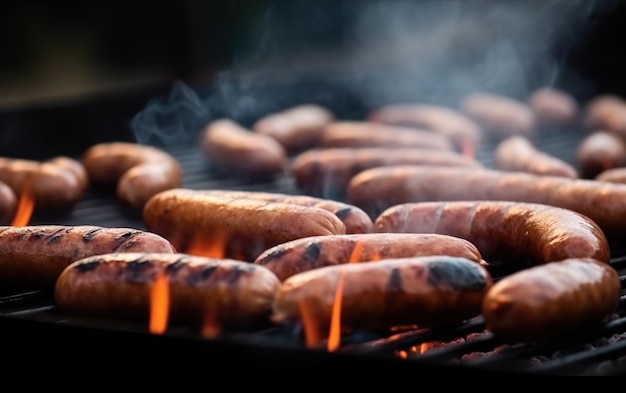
pixel 74 73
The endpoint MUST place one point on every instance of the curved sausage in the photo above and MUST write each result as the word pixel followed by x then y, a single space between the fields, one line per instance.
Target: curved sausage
pixel 453 124
pixel 554 107
pixel 376 189
pixel 297 256
pixel 234 149
pixel 354 218
pixel 243 227
pixel 499 115
pixel 225 292
pixel 136 171
pixel 8 204
pixel 503 230
pixel 326 172
pixel 518 153
pixel 35 255
pixel 74 166
pixel 433 290
pixel 599 151
pixel 549 301
pixel 295 128
pixel 372 134
pixel 606 112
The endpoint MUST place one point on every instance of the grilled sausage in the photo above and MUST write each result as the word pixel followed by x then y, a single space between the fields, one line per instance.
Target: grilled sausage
pixel 518 153
pixel 295 128
pixel 244 227
pixel 326 172
pixel 599 151
pixel 432 290
pixel 53 186
pixel 74 166
pixel 372 134
pixel 547 302
pixel 502 230
pixel 606 112
pixel 613 175
pixel 8 204
pixel 35 255
pixel 218 291
pixel 462 130
pixel 309 253
pixel 234 149
pixel 376 189
pixel 136 171
pixel 554 107
pixel 498 115
pixel 354 218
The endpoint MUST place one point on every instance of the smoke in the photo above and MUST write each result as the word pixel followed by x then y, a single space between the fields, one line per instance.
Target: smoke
pixel 364 53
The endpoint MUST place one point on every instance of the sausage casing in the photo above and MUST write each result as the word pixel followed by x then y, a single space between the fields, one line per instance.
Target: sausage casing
pixel 499 115
pixel 432 290
pixel 554 107
pixel 600 151
pixel 209 290
pixel 8 204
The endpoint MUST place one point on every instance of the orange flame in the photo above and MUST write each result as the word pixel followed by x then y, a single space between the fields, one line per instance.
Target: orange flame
pixel 25 207
pixel 211 328
pixel 212 248
pixel 312 335
pixel 159 304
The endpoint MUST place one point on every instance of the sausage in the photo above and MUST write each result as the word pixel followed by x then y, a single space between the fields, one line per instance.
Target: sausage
pixel 554 107
pixel 136 171
pixel 613 175
pixel 243 227
pixel 309 253
pixel 502 230
pixel 295 128
pixel 371 134
pixel 606 112
pixel 550 301
pixel 8 204
pixel 53 186
pixel 498 115
pixel 599 151
pixel 225 292
pixel 518 153
pixel 35 255
pixel 435 290
pixel 462 130
pixel 74 166
pixel 326 172
pixel 354 218
pixel 375 189
pixel 239 151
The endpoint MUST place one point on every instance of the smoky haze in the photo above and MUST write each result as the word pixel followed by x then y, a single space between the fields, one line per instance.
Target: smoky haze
pixel 363 53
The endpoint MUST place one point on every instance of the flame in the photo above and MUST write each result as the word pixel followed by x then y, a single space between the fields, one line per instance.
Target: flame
pixel 159 304
pixel 468 149
pixel 213 248
pixel 311 330
pixel 25 207
pixel 211 328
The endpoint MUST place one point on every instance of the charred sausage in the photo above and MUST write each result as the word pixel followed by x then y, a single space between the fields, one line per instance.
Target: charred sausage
pixel 376 189
pixel 599 151
pixel 546 302
pixel 518 153
pixel 502 230
pixel 237 150
pixel 326 172
pixel 244 227
pixel 499 115
pixel 309 253
pixel 433 290
pixel 34 256
pixel 295 128
pixel 202 290
pixel 136 171
pixel 554 107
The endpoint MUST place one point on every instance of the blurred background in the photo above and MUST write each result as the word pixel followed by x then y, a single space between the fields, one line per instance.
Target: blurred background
pixel 74 73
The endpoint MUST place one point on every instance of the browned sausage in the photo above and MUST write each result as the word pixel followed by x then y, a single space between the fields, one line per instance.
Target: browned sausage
pixel 74 166
pixel 242 152
pixel 244 227
pixel 295 128
pixel 136 171
pixel 223 291
pixel 606 112
pixel 503 231
pixel 35 255
pixel 599 151
pixel 354 218
pixel 304 254
pixel 372 134
pixel 518 153
pixel 613 175
pixel 547 302
pixel 554 107
pixel 499 115
pixel 428 291
pixel 375 189
pixel 8 204
pixel 326 172
pixel 462 130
